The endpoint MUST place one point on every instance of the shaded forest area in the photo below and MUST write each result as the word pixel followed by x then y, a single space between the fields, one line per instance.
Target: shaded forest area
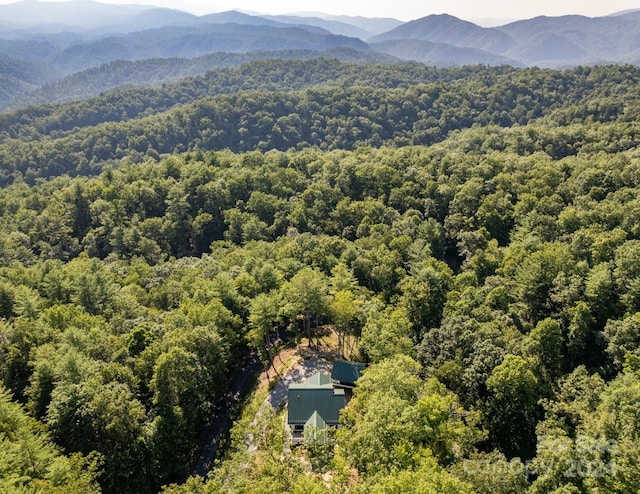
pixel 477 229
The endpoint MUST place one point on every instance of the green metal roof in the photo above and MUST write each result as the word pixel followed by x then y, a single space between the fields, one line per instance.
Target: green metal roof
pixel 306 399
pixel 316 421
pixel 319 428
pixel 347 372
pixel 319 378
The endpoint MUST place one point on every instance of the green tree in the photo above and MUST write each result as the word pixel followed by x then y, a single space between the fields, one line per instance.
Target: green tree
pixel 305 296
pixel 535 279
pixel 623 338
pixel 585 344
pixel 424 295
pixel 263 313
pixel 32 463
pixel 512 410
pixel 426 478
pixel 395 418
pixel 549 345
pixel 386 334
pixel 7 301
pixel 344 310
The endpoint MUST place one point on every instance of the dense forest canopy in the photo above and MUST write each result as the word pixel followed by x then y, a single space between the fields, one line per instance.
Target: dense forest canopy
pixel 297 104
pixel 476 229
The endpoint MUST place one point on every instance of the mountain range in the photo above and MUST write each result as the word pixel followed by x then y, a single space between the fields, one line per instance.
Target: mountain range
pixel 44 44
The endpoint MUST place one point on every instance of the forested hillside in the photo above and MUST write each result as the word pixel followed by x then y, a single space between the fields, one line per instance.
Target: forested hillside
pixel 156 72
pixel 323 103
pixel 475 229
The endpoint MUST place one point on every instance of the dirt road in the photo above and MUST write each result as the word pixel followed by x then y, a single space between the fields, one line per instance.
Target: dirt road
pixel 222 422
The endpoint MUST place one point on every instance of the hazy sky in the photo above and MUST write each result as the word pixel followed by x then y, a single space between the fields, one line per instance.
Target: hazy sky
pixel 402 9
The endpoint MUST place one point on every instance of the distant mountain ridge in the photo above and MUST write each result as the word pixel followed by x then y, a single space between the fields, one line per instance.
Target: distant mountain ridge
pixel 445 28
pixel 155 72
pixel 335 27
pixel 189 42
pixel 80 13
pixel 44 42
pixel 542 41
pixel 624 12
pixel 371 25
pixel 440 54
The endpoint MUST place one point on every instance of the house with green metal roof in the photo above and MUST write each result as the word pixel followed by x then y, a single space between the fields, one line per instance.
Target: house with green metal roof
pixel 315 403
pixel 345 374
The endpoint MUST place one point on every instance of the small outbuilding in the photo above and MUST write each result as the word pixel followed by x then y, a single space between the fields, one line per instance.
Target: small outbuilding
pixel 345 373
